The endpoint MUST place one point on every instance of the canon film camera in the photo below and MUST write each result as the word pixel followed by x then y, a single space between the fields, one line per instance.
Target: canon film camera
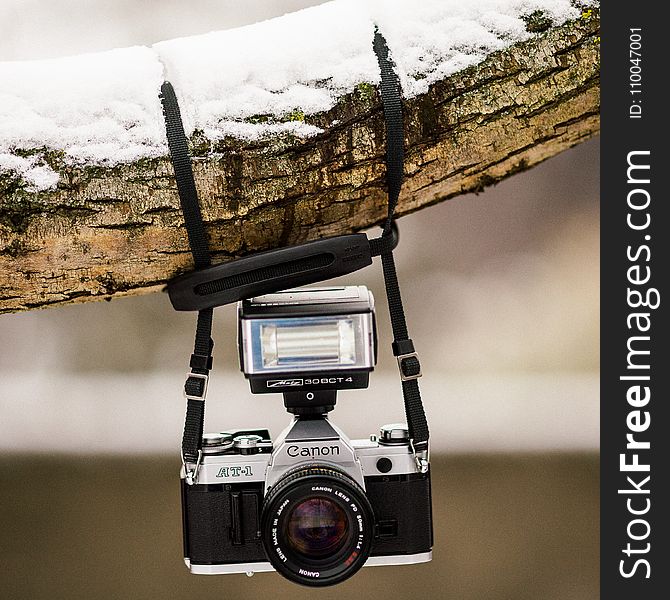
pixel 313 505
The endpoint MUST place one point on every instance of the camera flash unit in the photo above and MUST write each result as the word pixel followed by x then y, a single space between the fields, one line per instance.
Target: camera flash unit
pixel 308 339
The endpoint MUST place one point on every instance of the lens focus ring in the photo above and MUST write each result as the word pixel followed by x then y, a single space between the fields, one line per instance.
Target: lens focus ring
pixel 317 526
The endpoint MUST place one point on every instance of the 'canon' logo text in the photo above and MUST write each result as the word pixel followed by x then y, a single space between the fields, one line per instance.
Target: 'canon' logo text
pixel 313 451
pixel 308 573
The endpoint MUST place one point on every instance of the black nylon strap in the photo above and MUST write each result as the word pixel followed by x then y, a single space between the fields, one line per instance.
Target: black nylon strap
pixel 201 359
pixel 395 139
pixel 183 172
pixel 403 347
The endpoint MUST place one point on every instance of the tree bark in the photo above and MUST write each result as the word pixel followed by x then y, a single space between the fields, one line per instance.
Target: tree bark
pixel 107 232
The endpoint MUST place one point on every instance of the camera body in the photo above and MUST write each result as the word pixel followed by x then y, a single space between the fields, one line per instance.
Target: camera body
pixel 314 505
pixel 232 524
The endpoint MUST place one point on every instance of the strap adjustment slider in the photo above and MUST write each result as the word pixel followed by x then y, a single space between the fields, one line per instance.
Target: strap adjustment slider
pixel 409 366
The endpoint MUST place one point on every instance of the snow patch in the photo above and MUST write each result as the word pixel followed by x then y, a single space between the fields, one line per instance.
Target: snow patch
pixel 304 60
pixel 37 175
pixel 431 40
pixel 98 108
pixel 104 108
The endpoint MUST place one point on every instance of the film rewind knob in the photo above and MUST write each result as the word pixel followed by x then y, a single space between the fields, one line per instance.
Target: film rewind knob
pixel 394 433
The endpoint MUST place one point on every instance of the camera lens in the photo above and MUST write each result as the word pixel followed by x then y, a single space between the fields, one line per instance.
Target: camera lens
pixel 317 525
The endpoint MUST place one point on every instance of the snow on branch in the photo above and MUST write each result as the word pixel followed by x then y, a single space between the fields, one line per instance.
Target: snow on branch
pixel 250 82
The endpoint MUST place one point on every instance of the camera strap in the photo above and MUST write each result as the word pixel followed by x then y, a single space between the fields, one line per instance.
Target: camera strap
pixel 237 279
pixel 403 346
pixel 195 388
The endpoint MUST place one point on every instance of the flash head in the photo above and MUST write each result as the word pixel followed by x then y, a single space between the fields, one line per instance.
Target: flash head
pixel 308 339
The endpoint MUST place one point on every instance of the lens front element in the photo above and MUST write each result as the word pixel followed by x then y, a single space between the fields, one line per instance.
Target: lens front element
pixel 317 526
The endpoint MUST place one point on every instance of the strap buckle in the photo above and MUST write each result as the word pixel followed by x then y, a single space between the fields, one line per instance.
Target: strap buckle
pixel 404 376
pixel 203 389
pixel 191 473
pixel 421 457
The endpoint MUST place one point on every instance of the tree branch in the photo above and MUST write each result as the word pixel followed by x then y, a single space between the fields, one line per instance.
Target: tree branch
pixel 114 231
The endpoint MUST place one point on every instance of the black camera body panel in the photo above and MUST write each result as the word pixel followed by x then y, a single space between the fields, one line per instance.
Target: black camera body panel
pixel 403 514
pixel 222 521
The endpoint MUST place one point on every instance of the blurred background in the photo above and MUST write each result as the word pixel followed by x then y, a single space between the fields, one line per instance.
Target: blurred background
pixel 502 295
